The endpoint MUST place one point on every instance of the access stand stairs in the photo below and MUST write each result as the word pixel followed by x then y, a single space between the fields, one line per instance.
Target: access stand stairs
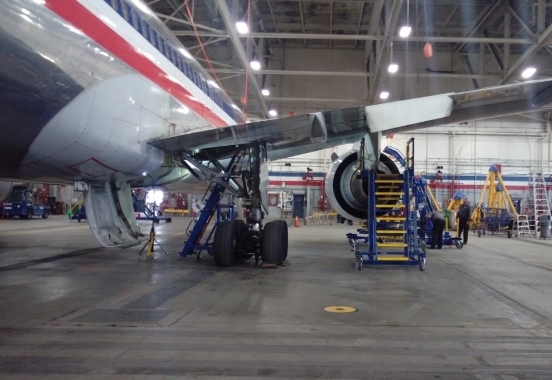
pixel 391 234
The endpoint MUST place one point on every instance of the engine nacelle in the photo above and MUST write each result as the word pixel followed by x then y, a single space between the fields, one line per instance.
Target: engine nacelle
pixel 346 192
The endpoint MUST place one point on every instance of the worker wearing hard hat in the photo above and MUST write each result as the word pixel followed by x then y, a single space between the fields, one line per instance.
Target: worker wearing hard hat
pixel 463 218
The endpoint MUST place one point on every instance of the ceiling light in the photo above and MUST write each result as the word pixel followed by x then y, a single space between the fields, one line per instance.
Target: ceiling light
pixel 242 27
pixel 255 65
pixel 528 72
pixel 265 92
pixel 393 68
pixel 405 31
pixel 384 95
pixel 185 53
pixel 213 84
pixel 273 112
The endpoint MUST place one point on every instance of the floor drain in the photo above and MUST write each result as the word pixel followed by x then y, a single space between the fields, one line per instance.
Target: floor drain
pixel 340 309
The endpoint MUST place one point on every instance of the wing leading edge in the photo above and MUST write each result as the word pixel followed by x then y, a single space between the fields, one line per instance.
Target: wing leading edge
pixel 295 135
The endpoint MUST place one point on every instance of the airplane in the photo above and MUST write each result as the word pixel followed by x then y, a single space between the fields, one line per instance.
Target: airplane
pixel 100 94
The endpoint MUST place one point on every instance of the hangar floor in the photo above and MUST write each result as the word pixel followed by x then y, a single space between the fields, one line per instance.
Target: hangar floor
pixel 72 310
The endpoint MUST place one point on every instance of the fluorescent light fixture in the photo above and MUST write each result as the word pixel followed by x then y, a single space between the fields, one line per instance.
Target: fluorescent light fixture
pixel 273 112
pixel 265 92
pixel 185 53
pixel 255 65
pixel 405 31
pixel 393 68
pixel 528 72
pixel 242 27
pixel 384 95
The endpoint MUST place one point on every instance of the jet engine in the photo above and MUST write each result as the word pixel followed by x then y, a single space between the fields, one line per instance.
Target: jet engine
pixel 347 193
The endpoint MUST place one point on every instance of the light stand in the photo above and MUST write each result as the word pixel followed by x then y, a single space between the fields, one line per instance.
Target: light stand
pixel 152 240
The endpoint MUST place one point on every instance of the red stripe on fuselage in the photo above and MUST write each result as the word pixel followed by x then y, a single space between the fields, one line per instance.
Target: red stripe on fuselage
pixel 93 27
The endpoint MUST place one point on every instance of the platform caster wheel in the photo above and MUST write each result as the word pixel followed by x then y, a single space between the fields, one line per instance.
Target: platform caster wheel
pixel 509 235
pixel 479 234
pixel 422 264
pixel 359 265
pixel 458 244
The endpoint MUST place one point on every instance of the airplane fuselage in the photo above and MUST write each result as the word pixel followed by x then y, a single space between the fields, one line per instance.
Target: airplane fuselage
pixel 86 84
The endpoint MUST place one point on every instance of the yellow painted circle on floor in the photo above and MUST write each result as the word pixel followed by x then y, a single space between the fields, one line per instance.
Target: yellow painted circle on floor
pixel 340 309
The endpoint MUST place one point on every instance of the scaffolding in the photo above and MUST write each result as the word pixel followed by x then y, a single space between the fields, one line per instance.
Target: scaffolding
pixel 536 203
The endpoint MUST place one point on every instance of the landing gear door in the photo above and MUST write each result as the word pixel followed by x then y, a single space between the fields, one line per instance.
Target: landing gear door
pixel 110 215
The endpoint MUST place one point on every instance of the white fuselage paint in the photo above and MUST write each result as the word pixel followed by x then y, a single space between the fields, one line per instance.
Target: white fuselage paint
pixel 102 134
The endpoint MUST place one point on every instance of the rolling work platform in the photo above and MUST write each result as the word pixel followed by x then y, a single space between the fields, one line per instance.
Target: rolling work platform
pixel 391 236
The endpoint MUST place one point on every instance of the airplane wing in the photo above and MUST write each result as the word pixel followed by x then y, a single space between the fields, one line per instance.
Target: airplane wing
pixel 291 136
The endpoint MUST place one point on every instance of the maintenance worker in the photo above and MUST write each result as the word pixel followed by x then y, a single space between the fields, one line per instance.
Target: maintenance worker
pixel 463 219
pixel 438 221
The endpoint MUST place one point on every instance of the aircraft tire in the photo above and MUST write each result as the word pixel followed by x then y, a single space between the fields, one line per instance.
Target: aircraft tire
pixel 275 242
pixel 224 246
pixel 242 233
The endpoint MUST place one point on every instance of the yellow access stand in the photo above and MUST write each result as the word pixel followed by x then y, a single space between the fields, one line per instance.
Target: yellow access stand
pixel 497 197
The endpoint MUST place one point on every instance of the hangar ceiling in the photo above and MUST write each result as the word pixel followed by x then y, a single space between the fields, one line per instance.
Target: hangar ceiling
pixel 502 36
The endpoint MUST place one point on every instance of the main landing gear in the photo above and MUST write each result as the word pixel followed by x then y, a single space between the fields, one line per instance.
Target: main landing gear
pixel 232 240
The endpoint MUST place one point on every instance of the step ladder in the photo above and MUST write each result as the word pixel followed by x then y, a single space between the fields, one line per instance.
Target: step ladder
pixel 522 226
pixel 537 200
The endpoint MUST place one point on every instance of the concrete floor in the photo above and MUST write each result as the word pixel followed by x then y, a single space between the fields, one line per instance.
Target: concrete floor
pixel 72 310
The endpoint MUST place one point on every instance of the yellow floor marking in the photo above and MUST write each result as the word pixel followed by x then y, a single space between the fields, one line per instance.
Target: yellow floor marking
pixel 340 309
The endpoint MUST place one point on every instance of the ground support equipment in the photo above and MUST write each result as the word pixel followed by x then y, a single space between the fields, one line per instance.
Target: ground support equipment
pixel 140 208
pixel 211 205
pixel 398 243
pixel 496 221
pixel 425 204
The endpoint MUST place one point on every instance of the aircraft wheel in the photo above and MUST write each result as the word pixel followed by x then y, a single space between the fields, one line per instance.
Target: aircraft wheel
pixel 224 246
pixel 274 245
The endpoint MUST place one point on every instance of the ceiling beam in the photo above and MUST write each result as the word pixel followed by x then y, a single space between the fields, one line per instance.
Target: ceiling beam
pixel 369 37
pixel 390 27
pixel 227 18
pixel 361 74
pixel 529 53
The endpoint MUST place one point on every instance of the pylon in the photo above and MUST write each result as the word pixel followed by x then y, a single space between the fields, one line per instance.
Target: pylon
pixel 296 224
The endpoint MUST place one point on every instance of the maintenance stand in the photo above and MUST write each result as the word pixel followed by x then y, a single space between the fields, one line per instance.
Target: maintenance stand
pixel 387 229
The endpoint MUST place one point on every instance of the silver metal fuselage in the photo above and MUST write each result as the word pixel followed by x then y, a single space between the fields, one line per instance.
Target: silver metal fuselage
pixel 83 90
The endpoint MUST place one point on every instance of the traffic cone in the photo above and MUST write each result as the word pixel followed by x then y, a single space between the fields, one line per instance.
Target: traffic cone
pixel 296 224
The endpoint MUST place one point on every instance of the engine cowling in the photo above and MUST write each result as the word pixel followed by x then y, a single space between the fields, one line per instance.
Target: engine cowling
pixel 346 192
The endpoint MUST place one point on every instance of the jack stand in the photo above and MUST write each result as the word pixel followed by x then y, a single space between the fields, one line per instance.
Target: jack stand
pixel 150 243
